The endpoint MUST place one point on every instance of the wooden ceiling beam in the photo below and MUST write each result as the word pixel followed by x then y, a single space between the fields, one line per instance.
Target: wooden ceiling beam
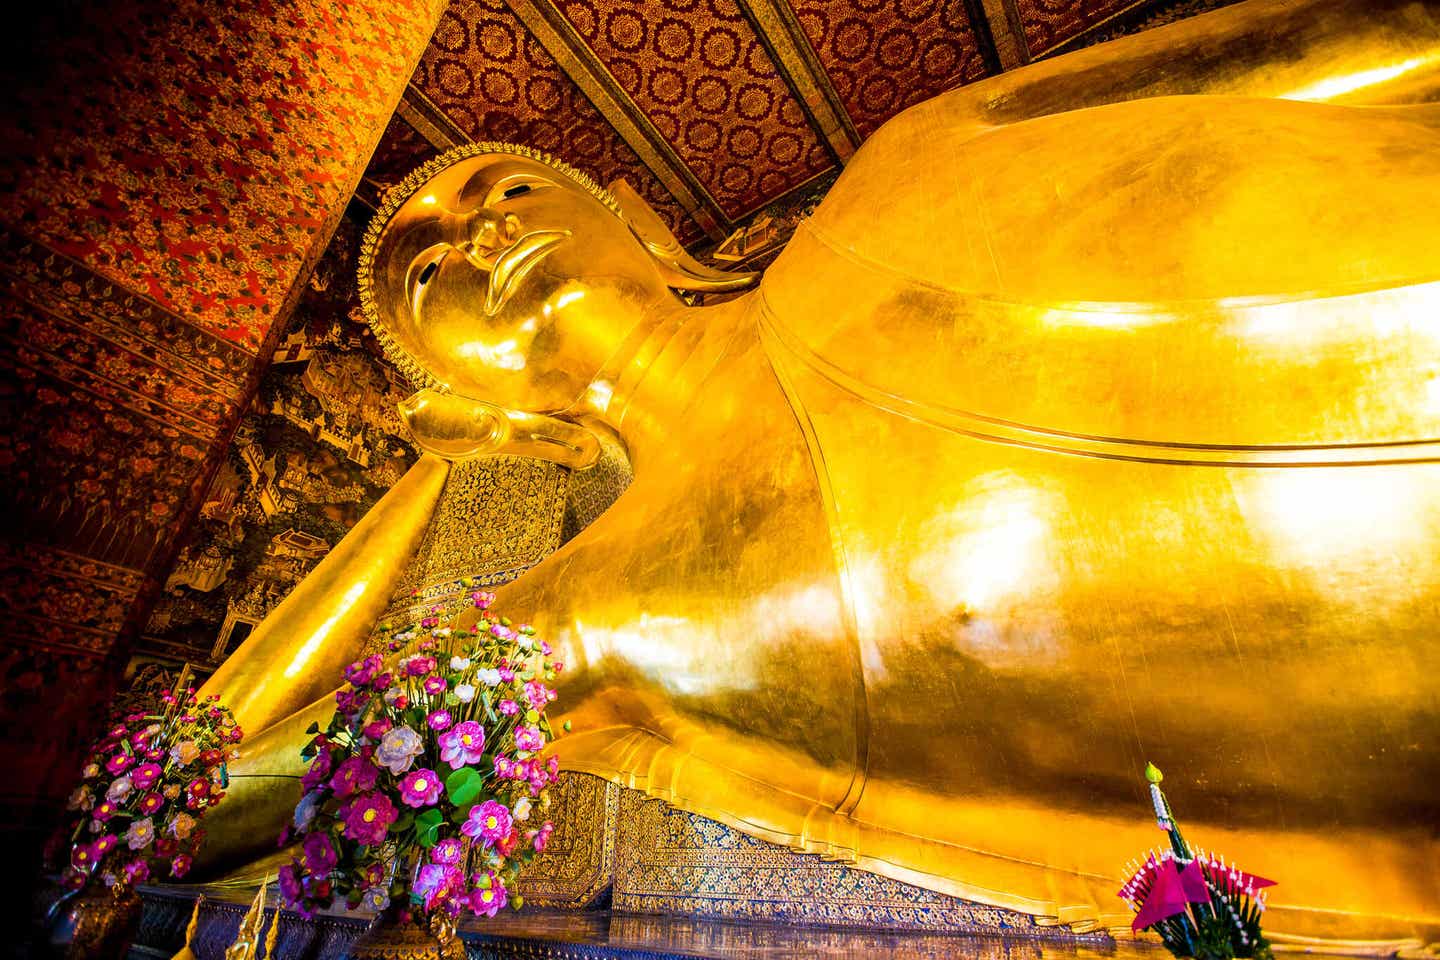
pixel 561 41
pixel 784 39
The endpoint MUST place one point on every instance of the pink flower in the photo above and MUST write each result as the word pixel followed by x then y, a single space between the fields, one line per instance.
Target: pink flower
pixel 509 707
pixel 150 803
pixel 137 871
pixel 119 763
pixel 419 666
pixel 488 901
pixel 377 728
pixel 105 844
pixel 104 810
pixel 463 745
pixel 83 856
pixel 507 675
pixel 355 775
pixel 489 821
pixel 371 875
pixel 538 695
pixel 542 836
pixel 180 865
pixel 420 788
pixel 384 682
pixel 529 738
pixel 434 880
pixel 447 851
pixel 362 672
pixel 435 685
pixel 439 719
pixel 145 775
pixel 368 817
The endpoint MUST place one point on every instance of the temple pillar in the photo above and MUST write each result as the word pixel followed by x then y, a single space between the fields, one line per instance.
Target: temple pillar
pixel 172 173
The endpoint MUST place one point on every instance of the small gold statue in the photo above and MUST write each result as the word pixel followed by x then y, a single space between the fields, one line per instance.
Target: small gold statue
pixel 187 949
pixel 252 926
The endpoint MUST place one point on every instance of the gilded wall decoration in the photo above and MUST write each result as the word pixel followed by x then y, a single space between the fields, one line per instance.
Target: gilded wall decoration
pixel 672 862
pixel 885 56
pixel 1049 23
pixel 699 73
pixel 319 445
pixel 495 81
pixel 578 865
pixel 497 518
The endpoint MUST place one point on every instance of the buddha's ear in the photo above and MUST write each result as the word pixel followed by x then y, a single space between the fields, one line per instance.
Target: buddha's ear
pixel 681 270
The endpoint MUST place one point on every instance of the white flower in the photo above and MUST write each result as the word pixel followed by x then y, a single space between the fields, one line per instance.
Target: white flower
pixel 120 789
pixel 393 693
pixel 442 632
pixel 140 834
pixel 459 663
pixel 93 770
pixel 524 642
pixel 403 664
pixel 521 810
pixel 491 677
pixel 464 692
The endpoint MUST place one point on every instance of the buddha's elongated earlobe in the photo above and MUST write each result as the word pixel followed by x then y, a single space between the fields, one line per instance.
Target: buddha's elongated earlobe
pixel 680 270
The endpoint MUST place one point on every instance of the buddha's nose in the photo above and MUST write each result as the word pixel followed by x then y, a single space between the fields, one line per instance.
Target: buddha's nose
pixel 485 233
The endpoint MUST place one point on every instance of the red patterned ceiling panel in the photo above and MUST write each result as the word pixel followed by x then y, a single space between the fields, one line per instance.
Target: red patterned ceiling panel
pixel 495 81
pixel 699 73
pixel 1050 22
pixel 885 55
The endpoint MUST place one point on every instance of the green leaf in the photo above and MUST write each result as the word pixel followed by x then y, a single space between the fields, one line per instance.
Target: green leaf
pixel 403 823
pixel 427 827
pixel 463 786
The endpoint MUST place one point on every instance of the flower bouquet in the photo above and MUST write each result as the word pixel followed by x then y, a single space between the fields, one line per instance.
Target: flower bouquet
pixel 146 786
pixel 1198 905
pixel 424 795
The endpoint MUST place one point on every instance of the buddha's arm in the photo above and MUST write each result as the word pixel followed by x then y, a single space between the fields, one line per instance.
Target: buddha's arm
pixel 296 655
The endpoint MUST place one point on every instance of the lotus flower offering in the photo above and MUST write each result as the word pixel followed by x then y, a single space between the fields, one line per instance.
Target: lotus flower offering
pixel 1199 905
pixel 425 796
pixel 146 786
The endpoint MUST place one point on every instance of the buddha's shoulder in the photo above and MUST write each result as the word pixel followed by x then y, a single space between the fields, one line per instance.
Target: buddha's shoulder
pixel 1155 270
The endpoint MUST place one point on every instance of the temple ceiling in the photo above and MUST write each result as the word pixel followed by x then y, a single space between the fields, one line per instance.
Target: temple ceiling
pixel 715 109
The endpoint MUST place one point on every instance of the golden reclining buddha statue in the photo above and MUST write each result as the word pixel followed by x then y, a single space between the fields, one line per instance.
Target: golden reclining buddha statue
pixel 1093 418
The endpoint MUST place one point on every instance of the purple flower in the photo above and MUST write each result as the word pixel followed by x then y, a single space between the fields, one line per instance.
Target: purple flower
pixel 398 750
pixel 105 844
pixel 320 856
pixel 368 817
pixel 529 738
pixel 489 821
pixel 447 851
pixel 290 890
pixel 420 788
pixel 488 901
pixel 362 672
pixel 509 707
pixel 150 803
pixel 319 770
pixel 104 810
pixel 137 871
pixel 463 745
pixel 419 666
pixel 351 702
pixel 355 775
pixel 119 763
pixel 384 682
pixel 434 880
pixel 377 728
pixel 435 685
pixel 439 720
pixel 538 695
pixel 145 775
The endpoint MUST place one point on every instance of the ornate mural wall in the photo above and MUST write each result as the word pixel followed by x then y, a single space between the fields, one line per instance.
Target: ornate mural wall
pixel 169 173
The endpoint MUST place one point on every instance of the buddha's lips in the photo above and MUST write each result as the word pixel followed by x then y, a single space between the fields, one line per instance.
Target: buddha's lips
pixel 515 261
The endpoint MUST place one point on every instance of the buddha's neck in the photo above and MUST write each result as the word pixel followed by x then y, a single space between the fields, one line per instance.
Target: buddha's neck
pixel 657 372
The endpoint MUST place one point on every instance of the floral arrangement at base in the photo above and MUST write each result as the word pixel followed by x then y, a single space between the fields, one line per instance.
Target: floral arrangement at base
pixel 146 787
pixel 424 796
pixel 1200 906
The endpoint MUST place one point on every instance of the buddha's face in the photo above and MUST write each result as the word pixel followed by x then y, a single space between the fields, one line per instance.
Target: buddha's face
pixel 510 282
